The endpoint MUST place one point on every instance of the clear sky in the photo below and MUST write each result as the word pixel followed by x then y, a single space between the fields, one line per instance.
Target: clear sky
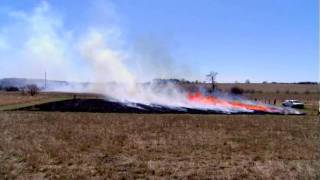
pixel 260 40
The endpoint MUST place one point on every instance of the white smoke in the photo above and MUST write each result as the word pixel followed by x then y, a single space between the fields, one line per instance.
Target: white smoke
pixel 38 41
pixel 35 42
pixel 107 64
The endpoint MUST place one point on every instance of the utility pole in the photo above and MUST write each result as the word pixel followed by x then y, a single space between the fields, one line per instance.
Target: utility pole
pixel 45 79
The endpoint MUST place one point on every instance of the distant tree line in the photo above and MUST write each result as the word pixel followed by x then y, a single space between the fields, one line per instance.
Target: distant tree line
pixel 306 82
pixel 212 80
pixel 31 89
pixel 176 81
pixel 9 88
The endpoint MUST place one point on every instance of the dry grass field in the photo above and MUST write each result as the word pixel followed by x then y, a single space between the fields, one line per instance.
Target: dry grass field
pixel 12 100
pixel 55 145
pixel 269 88
pixel 45 145
pixel 7 98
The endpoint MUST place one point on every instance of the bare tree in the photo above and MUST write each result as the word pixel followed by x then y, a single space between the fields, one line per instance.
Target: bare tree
pixel 212 78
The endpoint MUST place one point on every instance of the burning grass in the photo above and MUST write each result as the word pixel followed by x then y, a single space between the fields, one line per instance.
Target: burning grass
pixel 131 146
pixel 238 105
pixel 195 103
pixel 105 106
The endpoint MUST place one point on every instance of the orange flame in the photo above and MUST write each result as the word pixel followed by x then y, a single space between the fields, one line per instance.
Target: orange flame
pixel 211 100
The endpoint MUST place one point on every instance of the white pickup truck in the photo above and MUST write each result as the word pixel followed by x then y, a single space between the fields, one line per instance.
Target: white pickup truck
pixel 293 104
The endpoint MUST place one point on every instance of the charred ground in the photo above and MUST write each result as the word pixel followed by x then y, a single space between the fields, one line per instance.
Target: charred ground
pixel 105 106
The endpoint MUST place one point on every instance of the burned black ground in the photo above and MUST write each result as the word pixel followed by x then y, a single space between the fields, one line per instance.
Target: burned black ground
pixel 105 106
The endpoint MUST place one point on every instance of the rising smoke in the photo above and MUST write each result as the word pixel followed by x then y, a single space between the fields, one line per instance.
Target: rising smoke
pixel 39 41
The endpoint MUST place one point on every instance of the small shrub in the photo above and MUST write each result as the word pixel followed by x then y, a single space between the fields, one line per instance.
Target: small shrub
pixel 32 89
pixel 236 90
pixel 11 88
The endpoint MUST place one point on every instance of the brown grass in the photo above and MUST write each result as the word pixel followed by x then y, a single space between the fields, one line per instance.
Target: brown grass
pixel 131 146
pixel 8 98
pixel 269 88
pixel 14 100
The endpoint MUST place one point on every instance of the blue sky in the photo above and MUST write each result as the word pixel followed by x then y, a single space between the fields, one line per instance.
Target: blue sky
pixel 265 40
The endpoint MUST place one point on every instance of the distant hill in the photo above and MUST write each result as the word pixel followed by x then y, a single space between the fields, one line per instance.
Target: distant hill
pixel 22 82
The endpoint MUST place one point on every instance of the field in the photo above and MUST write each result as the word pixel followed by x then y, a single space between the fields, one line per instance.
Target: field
pixel 131 146
pixel 56 145
pixel 271 88
pixel 14 100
